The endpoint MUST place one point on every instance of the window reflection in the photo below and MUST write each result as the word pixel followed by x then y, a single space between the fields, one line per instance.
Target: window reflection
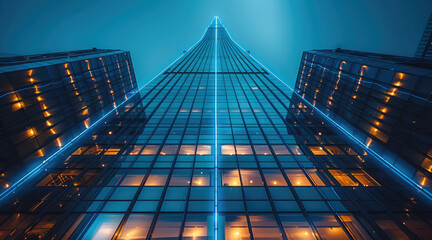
pixel 328 227
pixel 230 178
pixel 135 150
pixel 169 149
pixel 236 227
pixel 244 149
pixel 187 149
pixel 136 227
pixel 280 150
pixel 150 150
pixel 343 178
pixel 364 178
pixel 157 177
pixel 251 177
pixel 197 226
pixel 274 178
pixel 265 227
pixel 204 150
pixel 103 227
pixel 202 177
pixel 297 177
pixel 167 226
pixel 296 226
pixel 313 174
pixel 228 150
pixel 262 149
pixel 180 177
pixel 334 150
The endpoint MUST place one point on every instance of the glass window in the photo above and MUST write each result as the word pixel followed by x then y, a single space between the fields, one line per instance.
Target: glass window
pixel 180 177
pixel 167 226
pixel 197 226
pixel 187 149
pixel 228 150
pixel 274 178
pixel 157 177
pixel 136 227
pixel 112 151
pixel 230 178
pixel 364 178
pixel 264 227
pixel 295 149
pixel 103 227
pixel 343 178
pixel 334 150
pixel 280 150
pixel 296 226
pixel 204 150
pixel 133 178
pixel 244 150
pixel 202 177
pixel 316 179
pixel 297 177
pixel 328 227
pixel 262 149
pixel 236 226
pixel 169 149
pixel 150 150
pixel 251 177
pixel 135 149
pixel 317 150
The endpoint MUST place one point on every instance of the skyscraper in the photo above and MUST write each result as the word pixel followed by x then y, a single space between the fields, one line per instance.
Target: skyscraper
pixel 49 99
pixel 424 48
pixel 215 147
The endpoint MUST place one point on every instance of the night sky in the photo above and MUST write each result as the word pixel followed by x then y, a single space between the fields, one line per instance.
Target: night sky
pixel 156 32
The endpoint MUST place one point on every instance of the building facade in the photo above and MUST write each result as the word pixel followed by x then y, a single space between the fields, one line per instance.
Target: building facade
pixel 384 101
pixel 424 48
pixel 215 147
pixel 48 99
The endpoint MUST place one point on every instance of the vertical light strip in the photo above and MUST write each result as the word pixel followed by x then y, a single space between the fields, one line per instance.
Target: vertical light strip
pixel 216 139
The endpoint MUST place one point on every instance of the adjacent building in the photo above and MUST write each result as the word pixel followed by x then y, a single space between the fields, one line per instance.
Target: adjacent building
pixel 424 48
pixel 384 101
pixel 215 147
pixel 48 99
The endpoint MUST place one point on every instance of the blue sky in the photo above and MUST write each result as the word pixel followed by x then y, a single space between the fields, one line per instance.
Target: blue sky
pixel 156 31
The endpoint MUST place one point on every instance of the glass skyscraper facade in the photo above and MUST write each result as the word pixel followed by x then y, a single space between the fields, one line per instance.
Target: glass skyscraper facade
pixel 46 100
pixel 215 147
pixel 424 48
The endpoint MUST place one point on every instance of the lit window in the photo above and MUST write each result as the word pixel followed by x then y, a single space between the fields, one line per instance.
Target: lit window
pixel 343 178
pixel 262 149
pixel 187 149
pixel 297 177
pixel 94 150
pixel 150 150
pixel 251 178
pixel 202 177
pixel 230 178
pixel 313 174
pixel 135 150
pixel 132 179
pixel 334 150
pixel 112 151
pixel 136 227
pixel 196 226
pixel 180 177
pixel 169 150
pixel 79 151
pixel 280 150
pixel 204 150
pixel 236 227
pixel 244 149
pixel 364 178
pixel 317 150
pixel 157 177
pixel 295 149
pixel 228 150
pixel 274 178
pixel 328 227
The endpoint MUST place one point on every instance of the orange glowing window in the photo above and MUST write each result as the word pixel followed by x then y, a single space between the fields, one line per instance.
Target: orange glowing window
pixel 228 150
pixel 79 151
pixel 244 150
pixel 135 150
pixel 157 177
pixel 169 149
pixel 427 164
pixel 262 149
pixel 187 149
pixel 132 179
pixel 94 150
pixel 334 150
pixel 202 177
pixel 204 150
pixel 297 177
pixel 343 178
pixel 364 178
pixel 230 178
pixel 150 150
pixel 350 151
pixel 280 150
pixel 236 227
pixel 251 177
pixel 274 178
pixel 295 149
pixel 112 151
pixel 317 150
pixel 316 179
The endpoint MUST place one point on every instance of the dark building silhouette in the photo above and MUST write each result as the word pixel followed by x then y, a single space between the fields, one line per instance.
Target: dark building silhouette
pixel 215 147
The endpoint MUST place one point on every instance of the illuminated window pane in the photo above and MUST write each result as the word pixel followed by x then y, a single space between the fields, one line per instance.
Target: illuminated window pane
pixel 317 150
pixel 79 151
pixel 244 149
pixel 132 179
pixel 135 150
pixel 180 177
pixel 297 177
pixel 94 150
pixel 228 150
pixel 334 150
pixel 187 149
pixel 112 151
pixel 280 150
pixel 169 150
pixel 296 226
pixel 274 178
pixel 343 178
pixel 157 177
pixel 262 149
pixel 202 177
pixel 236 227
pixel 265 227
pixel 230 178
pixel 103 227
pixel 150 150
pixel 197 226
pixel 167 226
pixel 251 177
pixel 295 149
pixel 427 164
pixel 364 178
pixel 204 150
pixel 136 227
pixel 354 226
pixel 313 174
pixel 350 151
pixel 328 227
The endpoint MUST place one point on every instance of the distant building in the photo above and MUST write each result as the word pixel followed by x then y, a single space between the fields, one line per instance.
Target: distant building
pixel 424 48
pixel 47 99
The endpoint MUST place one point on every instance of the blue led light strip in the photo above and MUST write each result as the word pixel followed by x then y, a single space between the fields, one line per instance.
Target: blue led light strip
pixel 386 163
pixel 216 138
pixel 13 187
